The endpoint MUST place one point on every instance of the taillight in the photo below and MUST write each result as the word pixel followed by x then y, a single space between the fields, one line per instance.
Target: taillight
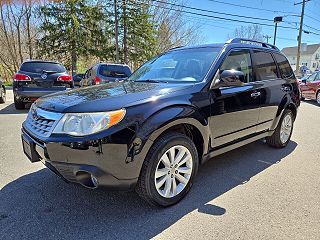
pixel 65 78
pixel 98 80
pixel 21 77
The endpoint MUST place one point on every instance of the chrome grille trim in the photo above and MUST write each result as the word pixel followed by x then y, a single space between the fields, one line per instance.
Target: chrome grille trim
pixel 40 122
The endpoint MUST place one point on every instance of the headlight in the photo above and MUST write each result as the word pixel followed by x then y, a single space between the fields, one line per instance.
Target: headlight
pixel 80 124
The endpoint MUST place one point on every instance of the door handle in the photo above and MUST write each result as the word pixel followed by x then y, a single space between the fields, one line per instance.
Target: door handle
pixel 255 94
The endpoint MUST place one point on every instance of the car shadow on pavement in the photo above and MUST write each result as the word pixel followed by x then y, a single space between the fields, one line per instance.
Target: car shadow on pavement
pixel 10 109
pixel 41 205
pixel 312 102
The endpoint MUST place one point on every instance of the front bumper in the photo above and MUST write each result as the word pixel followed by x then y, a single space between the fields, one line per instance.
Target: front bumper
pixel 78 162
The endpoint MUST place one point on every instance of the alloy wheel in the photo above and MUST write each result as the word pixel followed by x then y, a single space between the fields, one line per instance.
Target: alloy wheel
pixel 286 128
pixel 173 171
pixel 318 98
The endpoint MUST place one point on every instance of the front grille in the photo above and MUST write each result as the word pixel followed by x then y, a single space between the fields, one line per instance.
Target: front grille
pixel 41 123
pixel 41 126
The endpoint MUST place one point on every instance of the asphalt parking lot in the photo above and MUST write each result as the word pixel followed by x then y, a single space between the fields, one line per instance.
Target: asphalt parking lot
pixel 254 192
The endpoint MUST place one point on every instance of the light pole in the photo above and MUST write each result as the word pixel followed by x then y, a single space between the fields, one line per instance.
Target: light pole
pixel 276 20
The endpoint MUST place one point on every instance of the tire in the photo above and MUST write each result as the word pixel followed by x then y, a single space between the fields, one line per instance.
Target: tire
pixel 18 104
pixel 276 140
pixel 146 186
pixel 2 95
pixel 318 98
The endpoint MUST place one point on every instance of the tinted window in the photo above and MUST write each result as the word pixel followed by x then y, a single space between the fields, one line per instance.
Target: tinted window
pixel 114 71
pixel 239 60
pixel 40 67
pixel 284 66
pixel 265 66
pixel 179 65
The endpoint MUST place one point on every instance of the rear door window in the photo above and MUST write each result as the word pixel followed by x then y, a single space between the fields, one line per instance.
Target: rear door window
pixel 284 66
pixel 41 67
pixel 114 71
pixel 265 67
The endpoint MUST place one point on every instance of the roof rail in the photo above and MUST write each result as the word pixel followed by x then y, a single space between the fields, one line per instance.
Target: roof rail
pixel 252 42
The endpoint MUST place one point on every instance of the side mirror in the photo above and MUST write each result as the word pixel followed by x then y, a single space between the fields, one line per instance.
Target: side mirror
pixel 230 78
pixel 304 80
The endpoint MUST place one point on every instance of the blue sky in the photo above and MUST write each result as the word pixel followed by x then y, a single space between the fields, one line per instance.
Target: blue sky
pixel 214 30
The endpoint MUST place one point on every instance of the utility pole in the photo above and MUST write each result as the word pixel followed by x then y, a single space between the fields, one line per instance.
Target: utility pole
pixel 116 30
pixel 300 35
pixel 267 37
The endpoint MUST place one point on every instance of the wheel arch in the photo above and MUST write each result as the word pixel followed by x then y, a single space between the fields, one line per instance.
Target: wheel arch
pixel 286 103
pixel 181 118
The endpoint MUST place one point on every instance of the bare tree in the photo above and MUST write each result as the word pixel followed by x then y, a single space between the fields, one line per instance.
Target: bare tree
pixel 172 28
pixel 253 32
pixel 17 35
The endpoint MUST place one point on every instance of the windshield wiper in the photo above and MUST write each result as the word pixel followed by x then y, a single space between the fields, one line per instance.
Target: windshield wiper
pixel 151 81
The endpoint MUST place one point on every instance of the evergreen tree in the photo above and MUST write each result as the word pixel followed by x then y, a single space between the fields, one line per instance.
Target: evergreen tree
pixel 71 29
pixel 137 33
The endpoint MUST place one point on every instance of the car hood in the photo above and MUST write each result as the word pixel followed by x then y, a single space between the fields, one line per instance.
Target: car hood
pixel 106 97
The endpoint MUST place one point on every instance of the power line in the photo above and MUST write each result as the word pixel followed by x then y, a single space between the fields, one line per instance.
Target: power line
pixel 215 12
pixel 255 8
pixel 293 40
pixel 217 17
pixel 315 19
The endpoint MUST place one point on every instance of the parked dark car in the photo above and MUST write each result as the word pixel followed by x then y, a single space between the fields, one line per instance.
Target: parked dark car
pixel 38 78
pixel 310 87
pixel 77 79
pixel 104 73
pixel 2 92
pixel 152 131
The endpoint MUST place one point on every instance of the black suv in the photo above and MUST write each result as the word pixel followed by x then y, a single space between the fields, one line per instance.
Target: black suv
pixel 175 112
pixel 38 78
pixel 104 73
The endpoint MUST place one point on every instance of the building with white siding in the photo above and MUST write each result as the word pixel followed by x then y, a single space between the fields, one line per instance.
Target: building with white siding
pixel 309 57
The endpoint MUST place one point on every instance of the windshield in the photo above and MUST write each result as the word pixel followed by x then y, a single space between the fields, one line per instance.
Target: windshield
pixel 182 65
pixel 40 67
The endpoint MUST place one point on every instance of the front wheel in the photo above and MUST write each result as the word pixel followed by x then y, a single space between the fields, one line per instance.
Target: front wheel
pixel 282 134
pixel 318 98
pixel 168 170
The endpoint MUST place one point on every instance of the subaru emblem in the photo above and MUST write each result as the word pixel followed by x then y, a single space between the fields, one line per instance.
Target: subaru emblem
pixel 34 114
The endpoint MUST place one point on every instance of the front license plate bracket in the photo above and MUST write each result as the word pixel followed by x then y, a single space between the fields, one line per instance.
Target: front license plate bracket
pixel 29 148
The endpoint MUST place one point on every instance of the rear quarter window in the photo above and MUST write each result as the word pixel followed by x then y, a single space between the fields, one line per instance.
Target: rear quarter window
pixel 284 66
pixel 265 67
pixel 40 67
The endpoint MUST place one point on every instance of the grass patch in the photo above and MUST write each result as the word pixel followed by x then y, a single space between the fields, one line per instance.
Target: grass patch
pixel 8 84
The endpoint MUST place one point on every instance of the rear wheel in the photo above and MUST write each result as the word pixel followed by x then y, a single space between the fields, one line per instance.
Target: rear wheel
pixel 169 170
pixel 318 98
pixel 283 132
pixel 2 95
pixel 18 104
